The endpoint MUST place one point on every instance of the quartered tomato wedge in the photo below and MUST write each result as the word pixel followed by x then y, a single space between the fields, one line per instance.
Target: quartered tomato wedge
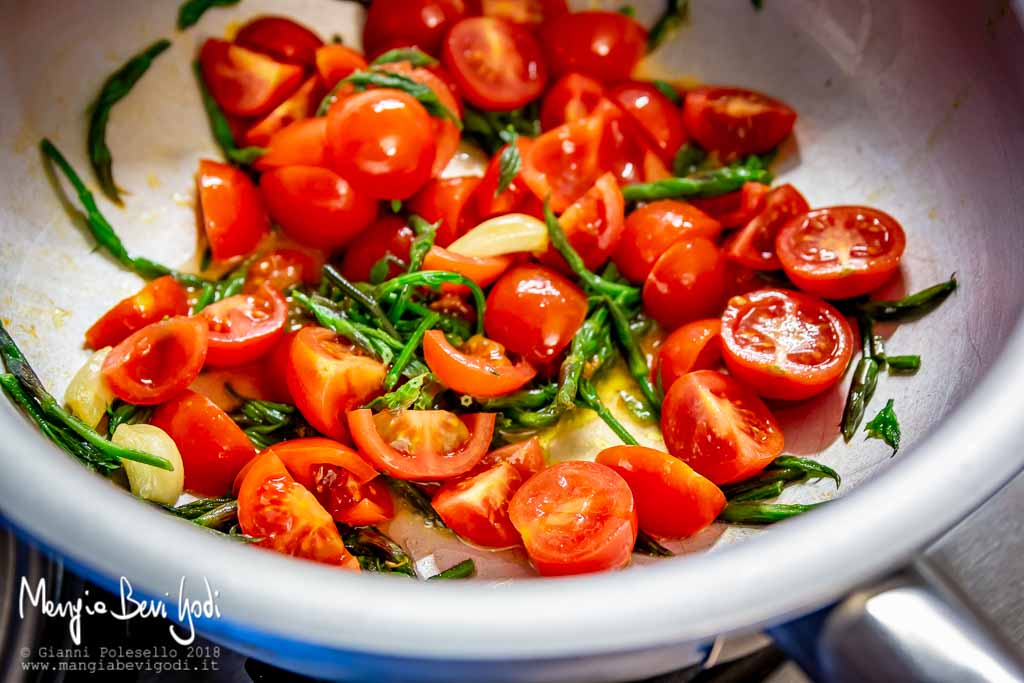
pixel 335 62
pixel 244 82
pixel 653 228
pixel 447 200
pixel 573 97
pixel 302 143
pixel 282 269
pixel 302 104
pixel 719 427
pixel 281 38
pixel 159 299
pixel 603 45
pixel 476 507
pixel 382 142
pixel 593 224
pixel 526 12
pixel 158 361
pixel 422 445
pixel 526 456
pixel 244 327
pixel 841 252
pixel 656 116
pixel 694 346
pixel 735 209
pixel 275 369
pixel 483 270
pixel 535 312
pixel 754 245
pixel 287 516
pixel 233 215
pixel 785 344
pixel 316 206
pixel 391 235
pixel 327 377
pixel 672 501
pixel 407 23
pixel 734 121
pixel 575 518
pixel 213 448
pixel 480 368
pixel 686 283
pixel 515 198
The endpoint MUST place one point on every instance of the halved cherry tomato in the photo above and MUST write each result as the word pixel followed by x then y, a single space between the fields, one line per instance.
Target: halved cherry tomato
pixel 686 283
pixel 476 507
pixel 382 141
pixel 593 225
pixel 158 361
pixel 572 97
pixel 335 62
pixel 243 82
pixel 283 269
pixel 316 206
pixel 275 369
pixel 517 196
pixel 300 105
pixel 483 270
pixel 527 12
pixel 655 115
pixel 233 214
pixel 244 327
pixel 422 445
pixel 159 299
pixel 301 143
pixel 575 518
pixel 842 251
pixel 447 200
pixel 213 448
pixel 785 344
pixel 672 501
pixel 390 235
pixel 734 121
pixel 603 45
pixel 526 456
pixel 480 368
pixel 276 508
pixel 406 23
pixel 535 312
pixel 719 427
pixel 694 346
pixel 499 66
pixel 735 209
pixel 281 38
pixel 754 245
pixel 653 228
pixel 327 377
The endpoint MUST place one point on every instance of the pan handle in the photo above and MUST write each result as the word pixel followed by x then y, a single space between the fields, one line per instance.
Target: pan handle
pixel 913 626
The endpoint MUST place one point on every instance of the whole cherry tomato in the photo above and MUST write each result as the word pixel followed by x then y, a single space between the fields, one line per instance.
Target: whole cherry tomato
pixel 694 346
pixel 408 23
pixel 159 299
pixel 480 368
pixel 572 97
pixel 155 363
pixel 754 245
pixel 281 38
pixel 656 116
pixel 688 282
pixel 653 228
pixel 734 121
pixel 476 506
pixel 233 215
pixel 244 327
pixel 603 45
pixel 390 235
pixel 243 82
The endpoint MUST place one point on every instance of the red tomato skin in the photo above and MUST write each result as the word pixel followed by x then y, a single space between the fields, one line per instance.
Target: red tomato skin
pixel 244 327
pixel 561 485
pixel 153 364
pixel 497 65
pixel 517 196
pixel 593 225
pixel 526 456
pixel 243 82
pixel 840 227
pixel 159 299
pixel 300 143
pixel 282 269
pixel 233 214
pixel 316 206
pixel 335 62
pixel 734 121
pixel 382 142
pixel 529 13
pixel 405 23
pixel 449 201
pixel 213 448
pixel 476 506
pixel 694 346
pixel 573 97
pixel 483 270
pixel 275 368
pixel 389 235
pixel 603 45
pixel 535 312
pixel 470 374
pixel 654 114
pixel 651 229
pixel 686 283
pixel 754 245
pixel 765 372
pixel 698 431
pixel 280 38
pixel 672 501
pixel 735 209
pixel 302 104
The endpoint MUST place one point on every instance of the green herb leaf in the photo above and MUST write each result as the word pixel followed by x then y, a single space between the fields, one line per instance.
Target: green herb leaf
pixel 416 499
pixel 494 130
pixel 387 79
pixel 628 10
pixel 753 513
pixel 463 570
pixel 509 165
pixel 758 4
pixel 765 492
pixel 687 160
pixel 862 388
pixel 220 127
pixel 376 552
pixel 267 423
pixel 588 397
pixel 333 276
pixel 434 279
pixel 402 398
pixel 636 360
pixel 192 11
pixel 885 426
pixel 811 468
pixel 379 271
pixel 646 545
pixel 197 508
pixel 637 407
pixel 668 91
pixel 671 19
pixel 396 206
pixel 119 413
pixel 405 54
pixel 903 364
pixel 913 306
pixel 713 183
pixel 406 354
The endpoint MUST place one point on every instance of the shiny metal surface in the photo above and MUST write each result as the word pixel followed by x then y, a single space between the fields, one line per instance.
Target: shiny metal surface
pixel 913 107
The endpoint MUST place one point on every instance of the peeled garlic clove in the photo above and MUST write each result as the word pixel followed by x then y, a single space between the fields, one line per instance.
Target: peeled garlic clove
pixel 146 481
pixel 508 234
pixel 88 395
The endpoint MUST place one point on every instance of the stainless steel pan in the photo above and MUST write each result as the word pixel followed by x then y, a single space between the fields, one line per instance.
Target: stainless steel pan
pixel 911 106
